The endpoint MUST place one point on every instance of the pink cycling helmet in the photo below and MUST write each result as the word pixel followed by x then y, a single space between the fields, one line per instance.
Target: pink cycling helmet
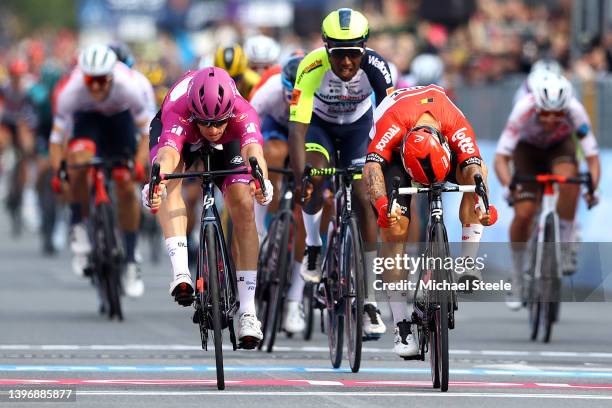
pixel 212 94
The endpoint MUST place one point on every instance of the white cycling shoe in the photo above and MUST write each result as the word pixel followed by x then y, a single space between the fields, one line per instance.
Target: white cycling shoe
pixel 80 248
pixel 373 325
pixel 311 266
pixel 132 282
pixel 249 331
pixel 405 343
pixel 294 317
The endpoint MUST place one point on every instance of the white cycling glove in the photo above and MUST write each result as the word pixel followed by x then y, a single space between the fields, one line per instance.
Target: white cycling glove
pixel 269 192
pixel 144 196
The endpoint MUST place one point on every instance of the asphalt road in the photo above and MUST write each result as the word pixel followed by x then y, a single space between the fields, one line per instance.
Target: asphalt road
pixel 52 335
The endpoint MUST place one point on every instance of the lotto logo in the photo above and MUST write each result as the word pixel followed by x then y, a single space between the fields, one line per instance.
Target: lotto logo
pixel 463 141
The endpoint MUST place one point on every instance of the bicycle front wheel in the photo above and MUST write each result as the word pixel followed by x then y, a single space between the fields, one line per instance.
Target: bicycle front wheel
pixel 352 274
pixel 335 316
pixel 443 299
pixel 112 264
pixel 211 251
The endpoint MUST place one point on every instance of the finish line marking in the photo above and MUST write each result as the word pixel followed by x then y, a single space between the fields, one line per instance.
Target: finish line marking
pixel 300 383
pixel 289 369
pixel 311 349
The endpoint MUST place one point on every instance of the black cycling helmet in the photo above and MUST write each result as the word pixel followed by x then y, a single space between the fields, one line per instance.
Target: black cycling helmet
pixel 123 52
pixel 289 72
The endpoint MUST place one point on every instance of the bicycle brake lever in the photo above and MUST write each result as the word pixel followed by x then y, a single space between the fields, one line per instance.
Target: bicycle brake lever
pixel 154 183
pixel 257 174
pixel 481 191
pixel 393 195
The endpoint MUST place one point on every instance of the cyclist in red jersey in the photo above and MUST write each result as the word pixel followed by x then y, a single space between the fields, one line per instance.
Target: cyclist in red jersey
pixel 420 135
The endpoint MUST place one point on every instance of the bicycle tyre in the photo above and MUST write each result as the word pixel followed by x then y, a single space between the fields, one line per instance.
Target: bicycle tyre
pixel 434 358
pixel 308 302
pixel 443 300
pixel 334 320
pixel 352 254
pixel 213 292
pixel 279 279
pixel 112 261
pixel 550 278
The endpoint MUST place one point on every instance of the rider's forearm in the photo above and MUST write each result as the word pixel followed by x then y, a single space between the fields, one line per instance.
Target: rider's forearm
pixel 502 169
pixel 594 166
pixel 168 158
pixel 470 171
pixel 297 136
pixel 255 150
pixel 375 180
pixel 56 154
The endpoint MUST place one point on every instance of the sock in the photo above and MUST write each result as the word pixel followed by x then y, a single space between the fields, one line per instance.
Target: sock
pixel 296 290
pixel 518 267
pixel 371 277
pixel 75 213
pixel 312 223
pixel 260 219
pixel 247 281
pixel 130 238
pixel 399 307
pixel 567 231
pixel 470 238
pixel 177 251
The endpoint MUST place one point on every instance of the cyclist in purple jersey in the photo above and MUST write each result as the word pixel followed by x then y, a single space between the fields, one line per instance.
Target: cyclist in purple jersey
pixel 204 107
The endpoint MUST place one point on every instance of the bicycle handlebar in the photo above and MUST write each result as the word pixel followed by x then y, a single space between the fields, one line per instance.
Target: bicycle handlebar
pixel 310 172
pixel 582 178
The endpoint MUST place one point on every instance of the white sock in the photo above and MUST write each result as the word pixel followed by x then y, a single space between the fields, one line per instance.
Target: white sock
pixel 247 281
pixel 470 239
pixel 399 307
pixel 567 230
pixel 371 277
pixel 177 251
pixel 312 223
pixel 518 266
pixel 260 218
pixel 296 290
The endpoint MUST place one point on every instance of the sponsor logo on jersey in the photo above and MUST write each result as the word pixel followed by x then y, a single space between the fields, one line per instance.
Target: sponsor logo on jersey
pixel 295 96
pixel 249 141
pixel 236 160
pixel 390 90
pixel 177 130
pixel 375 157
pixel 472 160
pixel 251 128
pixel 381 66
pixel 242 117
pixel 426 100
pixel 311 67
pixel 387 136
pixel 464 142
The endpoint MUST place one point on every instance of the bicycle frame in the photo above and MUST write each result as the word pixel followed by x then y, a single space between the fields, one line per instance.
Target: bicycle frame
pixel 549 207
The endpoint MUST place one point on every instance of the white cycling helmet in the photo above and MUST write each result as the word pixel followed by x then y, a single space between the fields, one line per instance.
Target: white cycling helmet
pixel 552 92
pixel 262 50
pixel 547 64
pixel 97 60
pixel 427 69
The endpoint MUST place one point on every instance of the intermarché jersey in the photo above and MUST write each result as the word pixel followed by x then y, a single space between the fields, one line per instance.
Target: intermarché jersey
pixel 126 93
pixel 317 89
pixel 525 126
pixel 179 128
pixel 399 112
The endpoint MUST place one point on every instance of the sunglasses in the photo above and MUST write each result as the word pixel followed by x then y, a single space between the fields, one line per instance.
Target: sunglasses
pixel 99 79
pixel 551 115
pixel 351 52
pixel 211 123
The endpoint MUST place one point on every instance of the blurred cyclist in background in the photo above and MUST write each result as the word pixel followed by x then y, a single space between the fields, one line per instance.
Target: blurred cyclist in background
pixel 425 69
pixel 271 102
pixel 538 139
pixel 17 126
pixel 234 61
pixel 101 109
pixel 540 67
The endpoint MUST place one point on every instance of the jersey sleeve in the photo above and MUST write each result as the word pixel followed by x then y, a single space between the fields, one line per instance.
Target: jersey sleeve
pixel 62 117
pixel 379 75
pixel 584 130
pixel 174 131
pixel 248 127
pixel 309 75
pixel 386 134
pixel 512 131
pixel 462 138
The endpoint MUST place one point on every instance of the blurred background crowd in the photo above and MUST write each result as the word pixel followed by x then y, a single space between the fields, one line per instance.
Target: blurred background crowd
pixel 484 44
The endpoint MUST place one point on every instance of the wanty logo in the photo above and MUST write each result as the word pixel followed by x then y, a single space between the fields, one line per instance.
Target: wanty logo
pixel 392 131
pixel 380 65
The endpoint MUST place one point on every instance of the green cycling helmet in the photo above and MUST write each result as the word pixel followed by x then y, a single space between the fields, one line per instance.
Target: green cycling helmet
pixel 345 27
